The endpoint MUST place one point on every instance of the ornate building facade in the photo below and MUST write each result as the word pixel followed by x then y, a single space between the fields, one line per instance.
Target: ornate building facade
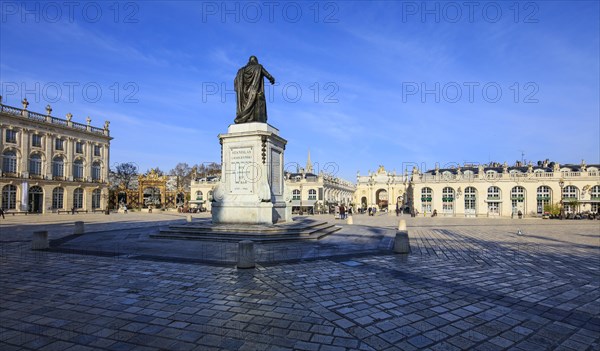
pixel 51 164
pixel 493 190
pixel 382 189
pixel 499 190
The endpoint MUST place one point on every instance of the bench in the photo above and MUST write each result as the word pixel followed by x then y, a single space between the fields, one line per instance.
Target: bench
pixel 16 212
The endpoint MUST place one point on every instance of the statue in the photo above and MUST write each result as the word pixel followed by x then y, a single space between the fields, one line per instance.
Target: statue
pixel 250 91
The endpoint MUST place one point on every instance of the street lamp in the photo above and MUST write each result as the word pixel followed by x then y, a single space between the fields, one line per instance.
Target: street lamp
pixel 561 183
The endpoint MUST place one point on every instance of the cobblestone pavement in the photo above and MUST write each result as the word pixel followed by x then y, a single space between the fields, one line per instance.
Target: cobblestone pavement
pixel 468 284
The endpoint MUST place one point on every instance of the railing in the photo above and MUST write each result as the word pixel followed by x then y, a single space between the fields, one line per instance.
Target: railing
pixel 49 119
pixel 571 174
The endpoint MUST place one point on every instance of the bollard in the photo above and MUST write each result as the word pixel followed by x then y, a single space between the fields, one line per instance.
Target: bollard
pixel 188 218
pixel 79 229
pixel 245 254
pixel 350 220
pixel 401 243
pixel 40 240
pixel 402 225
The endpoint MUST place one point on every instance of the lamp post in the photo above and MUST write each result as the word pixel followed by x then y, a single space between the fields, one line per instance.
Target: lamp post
pixel 561 183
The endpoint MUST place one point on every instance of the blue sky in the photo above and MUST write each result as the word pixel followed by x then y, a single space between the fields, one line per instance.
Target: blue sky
pixel 361 84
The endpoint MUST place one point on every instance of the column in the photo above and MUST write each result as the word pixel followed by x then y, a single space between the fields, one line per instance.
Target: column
pixel 49 154
pixel 24 153
pixel 104 153
pixel 69 145
pixel 87 172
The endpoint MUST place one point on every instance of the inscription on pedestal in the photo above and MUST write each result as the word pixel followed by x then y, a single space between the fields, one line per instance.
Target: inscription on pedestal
pixel 276 182
pixel 241 160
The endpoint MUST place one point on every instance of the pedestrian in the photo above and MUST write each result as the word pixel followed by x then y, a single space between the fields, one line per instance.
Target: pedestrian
pixel 370 211
pixel 2 213
pixel 342 212
pixel 73 210
pixel 125 208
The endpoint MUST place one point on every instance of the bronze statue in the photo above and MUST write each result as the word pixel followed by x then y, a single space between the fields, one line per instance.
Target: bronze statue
pixel 250 91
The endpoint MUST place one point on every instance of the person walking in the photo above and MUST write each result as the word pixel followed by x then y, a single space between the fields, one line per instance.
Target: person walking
pixel 2 213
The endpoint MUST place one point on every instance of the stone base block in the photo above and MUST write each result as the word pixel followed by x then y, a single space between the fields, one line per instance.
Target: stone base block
pixel 242 213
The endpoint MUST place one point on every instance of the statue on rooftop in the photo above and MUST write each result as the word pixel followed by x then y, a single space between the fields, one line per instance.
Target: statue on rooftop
pixel 250 92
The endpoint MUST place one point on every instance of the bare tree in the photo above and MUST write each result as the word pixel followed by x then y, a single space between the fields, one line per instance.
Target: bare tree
pixel 125 173
pixel 183 175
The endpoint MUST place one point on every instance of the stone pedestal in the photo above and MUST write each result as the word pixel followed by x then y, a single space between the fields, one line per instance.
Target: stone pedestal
pixel 251 190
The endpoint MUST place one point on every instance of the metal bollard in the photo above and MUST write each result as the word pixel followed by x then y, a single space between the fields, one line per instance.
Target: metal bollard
pixel 79 229
pixel 402 225
pixel 40 240
pixel 350 220
pixel 401 242
pixel 245 254
pixel 188 218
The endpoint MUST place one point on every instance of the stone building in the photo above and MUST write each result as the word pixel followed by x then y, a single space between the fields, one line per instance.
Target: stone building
pixel 382 189
pixel 499 190
pixel 51 164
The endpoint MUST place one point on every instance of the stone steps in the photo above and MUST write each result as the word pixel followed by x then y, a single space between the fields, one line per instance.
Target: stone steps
pixel 302 230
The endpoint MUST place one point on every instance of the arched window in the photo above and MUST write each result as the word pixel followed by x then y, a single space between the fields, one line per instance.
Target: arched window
pixel 312 194
pixel 96 171
pixel 78 169
pixel 493 193
pixel 470 200
pixel 9 162
pixel 96 195
pixel 493 200
pixel 78 198
pixel 448 200
pixel 544 198
pixel 35 164
pixel 296 194
pixel 517 199
pixel 570 192
pixel 9 197
pixel 595 194
pixel 426 199
pixel 58 167
pixel 57 198
pixel 199 195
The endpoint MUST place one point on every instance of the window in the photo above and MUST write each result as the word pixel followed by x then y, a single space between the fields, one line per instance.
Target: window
pixel 570 192
pixel 517 199
pixel 595 193
pixel 57 198
pixel 35 164
pixel 312 194
pixel 36 140
pixel 11 136
pixel 58 167
pixel 9 162
pixel 493 197
pixel 448 200
pixel 59 144
pixel 426 198
pixel 470 200
pixel 199 196
pixel 544 198
pixel 96 171
pixel 493 193
pixel 96 150
pixel 78 198
pixel 9 197
pixel 79 147
pixel 296 194
pixel 78 169
pixel 96 194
